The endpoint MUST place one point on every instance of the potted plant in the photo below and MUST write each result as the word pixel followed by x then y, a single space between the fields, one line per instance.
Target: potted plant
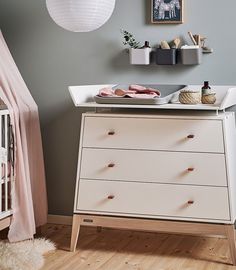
pixel 138 55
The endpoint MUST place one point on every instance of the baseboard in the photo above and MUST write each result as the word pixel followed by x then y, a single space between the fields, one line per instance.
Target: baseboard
pixel 62 220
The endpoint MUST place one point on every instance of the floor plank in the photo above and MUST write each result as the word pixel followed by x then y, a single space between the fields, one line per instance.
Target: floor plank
pixel 130 250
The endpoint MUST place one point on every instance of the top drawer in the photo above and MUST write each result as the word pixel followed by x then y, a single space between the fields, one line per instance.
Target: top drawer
pixel 153 134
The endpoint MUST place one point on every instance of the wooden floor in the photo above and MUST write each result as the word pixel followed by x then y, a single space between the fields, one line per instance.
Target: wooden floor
pixel 126 250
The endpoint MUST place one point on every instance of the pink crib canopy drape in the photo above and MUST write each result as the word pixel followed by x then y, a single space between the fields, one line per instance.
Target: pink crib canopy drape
pixel 29 195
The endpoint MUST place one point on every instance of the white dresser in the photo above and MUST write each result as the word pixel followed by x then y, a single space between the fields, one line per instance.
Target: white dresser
pixel 157 172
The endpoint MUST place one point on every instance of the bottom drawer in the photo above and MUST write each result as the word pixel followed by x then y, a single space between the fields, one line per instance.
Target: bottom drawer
pixel 142 199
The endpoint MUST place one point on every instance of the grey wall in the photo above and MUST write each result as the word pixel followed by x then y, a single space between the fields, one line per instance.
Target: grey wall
pixel 51 58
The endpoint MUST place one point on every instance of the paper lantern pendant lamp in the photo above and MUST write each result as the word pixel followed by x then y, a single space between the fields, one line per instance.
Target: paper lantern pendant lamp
pixel 80 15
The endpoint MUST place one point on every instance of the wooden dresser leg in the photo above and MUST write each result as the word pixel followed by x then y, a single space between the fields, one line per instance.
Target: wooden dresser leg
pixel 75 232
pixel 230 234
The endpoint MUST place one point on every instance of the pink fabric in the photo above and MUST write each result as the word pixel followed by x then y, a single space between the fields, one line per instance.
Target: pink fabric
pixel 144 90
pixel 29 196
pixel 135 91
pixel 106 92
pixel 136 87
pixel 150 95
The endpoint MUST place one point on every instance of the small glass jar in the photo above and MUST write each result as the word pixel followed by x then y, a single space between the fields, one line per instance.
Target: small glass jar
pixel 206 89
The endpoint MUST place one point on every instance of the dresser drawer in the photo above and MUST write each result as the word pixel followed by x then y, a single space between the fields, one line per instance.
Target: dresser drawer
pixel 153 134
pixel 154 166
pixel 140 199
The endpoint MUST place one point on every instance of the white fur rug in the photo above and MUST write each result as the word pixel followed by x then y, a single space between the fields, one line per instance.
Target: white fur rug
pixel 26 255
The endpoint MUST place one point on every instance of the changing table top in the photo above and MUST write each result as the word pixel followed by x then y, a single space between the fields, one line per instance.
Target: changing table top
pixel 83 96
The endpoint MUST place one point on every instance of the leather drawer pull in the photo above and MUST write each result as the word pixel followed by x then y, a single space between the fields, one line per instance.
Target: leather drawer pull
pixel 191 136
pixel 110 197
pixel 111 165
pixel 111 133
pixel 190 169
pixel 190 202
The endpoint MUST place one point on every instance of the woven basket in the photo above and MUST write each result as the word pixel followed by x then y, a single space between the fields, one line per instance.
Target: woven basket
pixel 209 99
pixel 190 97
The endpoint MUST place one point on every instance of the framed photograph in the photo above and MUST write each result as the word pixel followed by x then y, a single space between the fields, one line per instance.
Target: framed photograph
pixel 167 11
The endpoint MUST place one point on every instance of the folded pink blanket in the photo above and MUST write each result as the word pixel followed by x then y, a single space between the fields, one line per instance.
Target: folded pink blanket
pixel 135 91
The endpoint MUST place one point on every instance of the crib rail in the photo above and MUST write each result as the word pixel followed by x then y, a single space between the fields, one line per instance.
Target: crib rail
pixel 6 165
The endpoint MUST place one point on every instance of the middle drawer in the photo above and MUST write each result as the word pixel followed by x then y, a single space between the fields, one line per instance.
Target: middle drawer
pixel 154 166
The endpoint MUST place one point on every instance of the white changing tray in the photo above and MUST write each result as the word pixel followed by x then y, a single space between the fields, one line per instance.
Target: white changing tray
pixel 83 96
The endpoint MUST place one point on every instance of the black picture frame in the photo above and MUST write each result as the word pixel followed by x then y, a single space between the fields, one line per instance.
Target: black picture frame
pixel 167 11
